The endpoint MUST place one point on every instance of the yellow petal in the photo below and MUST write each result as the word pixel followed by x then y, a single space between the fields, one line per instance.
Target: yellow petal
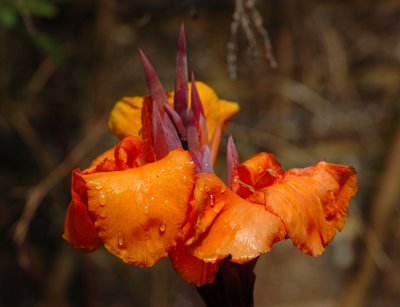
pixel 125 117
pixel 217 111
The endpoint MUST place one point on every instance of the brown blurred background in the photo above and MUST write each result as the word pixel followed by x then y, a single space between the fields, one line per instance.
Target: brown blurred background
pixel 334 95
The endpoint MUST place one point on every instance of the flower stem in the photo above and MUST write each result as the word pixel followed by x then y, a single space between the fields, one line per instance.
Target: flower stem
pixel 233 286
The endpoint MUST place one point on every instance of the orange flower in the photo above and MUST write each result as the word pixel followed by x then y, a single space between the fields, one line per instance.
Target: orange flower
pixel 119 207
pixel 306 205
pixel 155 195
pixel 312 203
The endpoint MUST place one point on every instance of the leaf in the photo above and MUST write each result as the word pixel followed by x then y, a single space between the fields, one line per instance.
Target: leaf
pixel 41 8
pixel 8 17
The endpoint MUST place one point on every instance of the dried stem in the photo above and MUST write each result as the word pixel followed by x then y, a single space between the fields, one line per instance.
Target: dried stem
pixel 382 207
pixel 248 18
pixel 38 192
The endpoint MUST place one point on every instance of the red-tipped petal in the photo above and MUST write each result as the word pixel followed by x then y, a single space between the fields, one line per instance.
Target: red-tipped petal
pixel 79 229
pixel 147 130
pixel 232 161
pixel 181 81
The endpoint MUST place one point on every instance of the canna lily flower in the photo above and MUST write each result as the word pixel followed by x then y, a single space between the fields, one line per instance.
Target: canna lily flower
pixel 155 194
pixel 136 197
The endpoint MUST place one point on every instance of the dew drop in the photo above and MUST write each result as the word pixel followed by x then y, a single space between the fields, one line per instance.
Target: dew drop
pixel 162 227
pixel 222 188
pixel 121 241
pixel 98 185
pixel 146 209
pixel 102 198
pixel 212 200
pixel 190 241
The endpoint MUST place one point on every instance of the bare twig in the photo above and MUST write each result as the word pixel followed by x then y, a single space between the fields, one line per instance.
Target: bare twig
pixel 38 192
pixel 382 206
pixel 26 18
pixel 21 123
pixel 248 18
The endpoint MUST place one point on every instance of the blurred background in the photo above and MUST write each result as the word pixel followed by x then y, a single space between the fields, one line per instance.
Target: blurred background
pixel 334 94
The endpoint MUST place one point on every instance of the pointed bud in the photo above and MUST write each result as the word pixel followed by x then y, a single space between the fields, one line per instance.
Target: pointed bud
pixel 181 81
pixel 156 89
pixel 198 142
pixel 165 136
pixel 200 118
pixel 177 121
pixel 232 161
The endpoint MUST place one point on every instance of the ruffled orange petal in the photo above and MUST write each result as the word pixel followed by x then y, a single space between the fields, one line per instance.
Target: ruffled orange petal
pixel 258 172
pixel 139 213
pixel 192 269
pixel 311 202
pixel 229 225
pixel 79 229
pixel 125 117
pixel 336 184
pixel 128 153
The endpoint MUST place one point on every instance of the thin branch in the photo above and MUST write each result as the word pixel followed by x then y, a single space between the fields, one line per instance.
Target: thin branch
pixel 38 192
pixel 383 204
pixel 247 17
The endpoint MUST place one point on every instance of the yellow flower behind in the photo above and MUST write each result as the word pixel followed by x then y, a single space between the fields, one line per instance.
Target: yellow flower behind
pixel 125 118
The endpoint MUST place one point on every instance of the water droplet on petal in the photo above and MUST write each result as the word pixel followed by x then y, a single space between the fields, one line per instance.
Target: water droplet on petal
pixel 212 200
pixel 98 185
pixel 121 241
pixel 222 188
pixel 146 209
pixel 102 198
pixel 162 227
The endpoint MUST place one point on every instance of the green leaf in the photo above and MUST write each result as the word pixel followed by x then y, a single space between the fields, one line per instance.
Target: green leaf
pixel 8 17
pixel 42 8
